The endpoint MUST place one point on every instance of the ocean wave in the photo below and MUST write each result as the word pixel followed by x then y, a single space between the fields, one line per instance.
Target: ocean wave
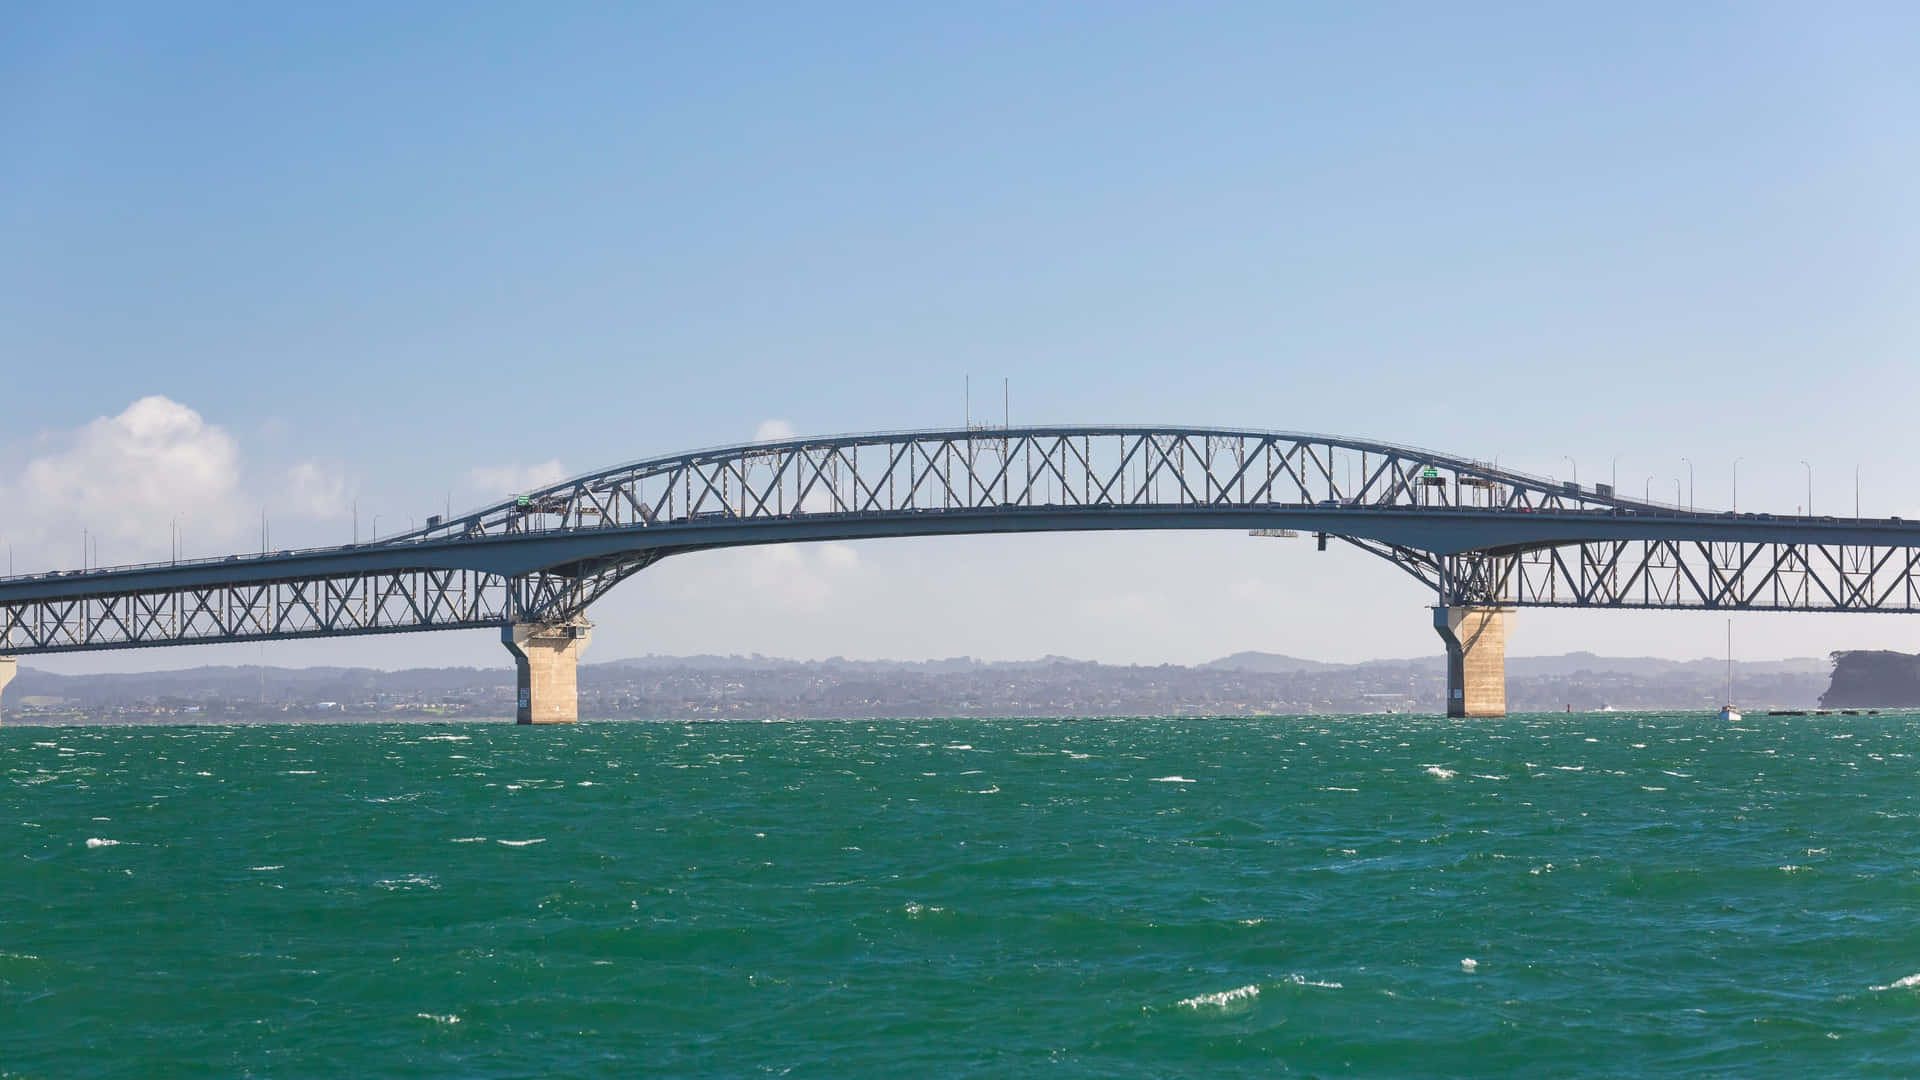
pixel 1908 983
pixel 1222 999
pixel 523 843
pixel 97 842
pixel 1173 780
pixel 1441 773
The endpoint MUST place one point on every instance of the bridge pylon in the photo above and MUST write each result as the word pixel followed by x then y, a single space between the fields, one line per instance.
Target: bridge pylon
pixel 547 656
pixel 1476 637
pixel 8 665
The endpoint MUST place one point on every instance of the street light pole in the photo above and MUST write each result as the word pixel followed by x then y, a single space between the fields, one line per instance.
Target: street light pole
pixel 1646 491
pixel 1614 483
pixel 1576 468
pixel 1856 493
pixel 1689 462
pixel 1736 482
pixel 1809 466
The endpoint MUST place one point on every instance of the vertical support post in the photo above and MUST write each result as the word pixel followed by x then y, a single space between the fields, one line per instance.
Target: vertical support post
pixel 8 668
pixel 547 658
pixel 1476 638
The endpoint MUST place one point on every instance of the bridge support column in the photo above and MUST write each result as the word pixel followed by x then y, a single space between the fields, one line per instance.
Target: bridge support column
pixel 7 667
pixel 548 658
pixel 1476 640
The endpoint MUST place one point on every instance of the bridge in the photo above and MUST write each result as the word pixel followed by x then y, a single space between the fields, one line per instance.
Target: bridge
pixel 1485 540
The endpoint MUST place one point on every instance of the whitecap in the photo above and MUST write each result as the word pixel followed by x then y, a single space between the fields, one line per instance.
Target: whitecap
pixel 1222 999
pixel 1173 780
pixel 469 839
pixel 1440 773
pixel 961 746
pixel 407 882
pixel 449 1018
pixel 523 843
pixel 300 772
pixel 1302 980
pixel 1908 983
pixel 96 842
pixel 274 867
pixel 1469 965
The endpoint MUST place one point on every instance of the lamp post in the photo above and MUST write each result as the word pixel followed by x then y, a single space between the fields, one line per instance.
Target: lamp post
pixel 1576 468
pixel 1809 466
pixel 1676 492
pixel 1736 482
pixel 1646 491
pixel 376 526
pixel 1614 482
pixel 1856 493
pixel 1689 462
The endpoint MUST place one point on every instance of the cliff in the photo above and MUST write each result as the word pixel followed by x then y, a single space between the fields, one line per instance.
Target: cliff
pixel 1873 678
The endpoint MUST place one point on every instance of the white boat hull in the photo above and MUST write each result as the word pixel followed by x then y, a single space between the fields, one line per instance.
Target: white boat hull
pixel 1730 715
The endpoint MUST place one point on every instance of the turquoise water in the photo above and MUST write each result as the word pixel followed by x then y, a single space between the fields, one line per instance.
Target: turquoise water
pixel 1622 895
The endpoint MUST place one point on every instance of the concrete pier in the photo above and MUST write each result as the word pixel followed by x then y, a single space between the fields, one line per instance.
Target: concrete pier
pixel 8 665
pixel 1476 640
pixel 548 659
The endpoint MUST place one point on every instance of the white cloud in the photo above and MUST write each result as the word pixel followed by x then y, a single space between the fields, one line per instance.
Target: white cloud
pixel 798 578
pixel 770 430
pixel 316 489
pixel 134 480
pixel 124 477
pixel 513 479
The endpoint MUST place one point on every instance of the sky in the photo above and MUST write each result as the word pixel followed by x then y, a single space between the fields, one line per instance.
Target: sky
pixel 326 262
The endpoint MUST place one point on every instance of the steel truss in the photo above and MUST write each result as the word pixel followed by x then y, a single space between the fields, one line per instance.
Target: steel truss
pixel 1674 574
pixel 1472 532
pixel 368 603
pixel 1012 468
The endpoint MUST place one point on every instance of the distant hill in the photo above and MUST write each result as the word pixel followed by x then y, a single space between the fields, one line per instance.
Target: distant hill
pixel 1272 663
pixel 665 687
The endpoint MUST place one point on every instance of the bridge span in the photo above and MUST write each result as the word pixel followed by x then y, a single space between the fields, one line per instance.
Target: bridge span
pixel 1485 540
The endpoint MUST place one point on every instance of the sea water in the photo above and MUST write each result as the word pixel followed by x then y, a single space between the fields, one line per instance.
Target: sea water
pixel 1617 895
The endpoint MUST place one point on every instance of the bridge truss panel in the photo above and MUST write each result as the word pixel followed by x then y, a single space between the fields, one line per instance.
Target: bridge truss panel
pixel 1001 469
pixel 348 604
pixel 1681 574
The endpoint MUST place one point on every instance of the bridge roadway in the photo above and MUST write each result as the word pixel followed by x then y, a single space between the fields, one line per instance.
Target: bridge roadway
pixel 1484 539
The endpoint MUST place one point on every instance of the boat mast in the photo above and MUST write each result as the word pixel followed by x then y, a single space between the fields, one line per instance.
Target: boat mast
pixel 1729 663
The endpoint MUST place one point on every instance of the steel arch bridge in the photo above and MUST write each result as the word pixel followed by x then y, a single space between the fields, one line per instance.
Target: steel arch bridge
pixel 1484 539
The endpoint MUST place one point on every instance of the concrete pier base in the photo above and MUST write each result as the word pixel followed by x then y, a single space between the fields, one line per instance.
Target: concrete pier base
pixel 548 659
pixel 8 665
pixel 1476 640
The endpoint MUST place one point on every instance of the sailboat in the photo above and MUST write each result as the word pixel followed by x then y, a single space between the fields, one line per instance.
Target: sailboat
pixel 1728 713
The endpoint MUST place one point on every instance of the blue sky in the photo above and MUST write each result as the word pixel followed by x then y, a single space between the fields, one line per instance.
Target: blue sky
pixel 397 257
